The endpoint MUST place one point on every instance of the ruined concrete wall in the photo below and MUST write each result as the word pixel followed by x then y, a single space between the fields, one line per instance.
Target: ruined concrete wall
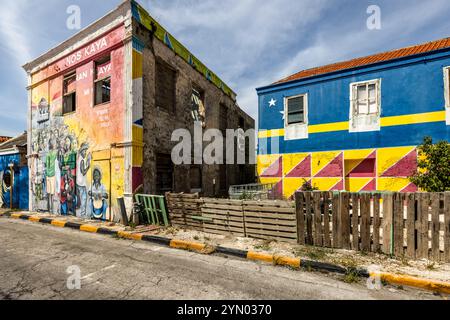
pixel 159 124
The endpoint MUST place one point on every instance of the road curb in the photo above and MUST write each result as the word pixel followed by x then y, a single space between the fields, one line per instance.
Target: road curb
pixel 296 263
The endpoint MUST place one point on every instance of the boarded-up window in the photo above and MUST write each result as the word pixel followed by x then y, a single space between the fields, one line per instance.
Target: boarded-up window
pixel 70 95
pixel 165 86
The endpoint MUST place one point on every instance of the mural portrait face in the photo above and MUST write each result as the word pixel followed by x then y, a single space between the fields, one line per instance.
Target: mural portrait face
pixel 97 176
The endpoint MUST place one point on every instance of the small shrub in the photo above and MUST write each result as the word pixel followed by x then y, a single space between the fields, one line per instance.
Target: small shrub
pixel 351 276
pixel 434 166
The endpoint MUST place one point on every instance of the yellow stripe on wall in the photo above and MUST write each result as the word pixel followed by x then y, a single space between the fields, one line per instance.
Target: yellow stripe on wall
pixel 413 119
pixel 329 127
pixel 416 118
pixel 271 133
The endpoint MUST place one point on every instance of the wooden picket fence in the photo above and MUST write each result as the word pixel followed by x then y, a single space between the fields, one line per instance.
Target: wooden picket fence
pixel 274 220
pixel 415 225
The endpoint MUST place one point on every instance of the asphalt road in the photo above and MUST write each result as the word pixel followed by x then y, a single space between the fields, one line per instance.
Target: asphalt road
pixel 34 260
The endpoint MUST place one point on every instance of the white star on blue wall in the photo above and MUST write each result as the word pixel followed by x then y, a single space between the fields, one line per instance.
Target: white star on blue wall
pixel 272 103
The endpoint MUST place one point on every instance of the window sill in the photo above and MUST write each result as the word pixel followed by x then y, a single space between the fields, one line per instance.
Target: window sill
pixel 102 104
pixel 367 123
pixel 296 132
pixel 69 113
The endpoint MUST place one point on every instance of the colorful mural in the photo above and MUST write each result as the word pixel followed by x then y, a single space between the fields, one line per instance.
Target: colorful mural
pixel 73 152
pixel 352 170
pixel 325 148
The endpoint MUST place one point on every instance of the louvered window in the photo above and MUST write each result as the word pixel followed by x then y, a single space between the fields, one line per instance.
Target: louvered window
pixel 296 110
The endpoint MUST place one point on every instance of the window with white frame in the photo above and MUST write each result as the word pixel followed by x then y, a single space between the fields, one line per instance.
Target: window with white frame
pixel 447 93
pixel 296 117
pixel 365 107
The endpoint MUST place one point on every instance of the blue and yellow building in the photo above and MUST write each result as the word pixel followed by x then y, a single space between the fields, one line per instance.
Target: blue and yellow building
pixel 355 125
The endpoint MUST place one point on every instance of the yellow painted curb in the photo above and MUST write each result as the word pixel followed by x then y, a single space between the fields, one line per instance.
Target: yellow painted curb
pixel 88 228
pixel 260 257
pixel 287 261
pixel 16 215
pixel 34 219
pixel 186 245
pixel 59 223
pixel 431 285
pixel 130 236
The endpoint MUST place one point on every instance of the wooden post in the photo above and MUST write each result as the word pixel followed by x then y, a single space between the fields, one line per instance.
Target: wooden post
pixel 423 246
pixel 376 222
pixel 398 224
pixel 300 213
pixel 344 224
pixel 435 227
pixel 309 232
pixel 318 239
pixel 447 226
pixel 387 223
pixel 355 221
pixel 411 225
pixel 337 238
pixel 326 220
pixel 365 222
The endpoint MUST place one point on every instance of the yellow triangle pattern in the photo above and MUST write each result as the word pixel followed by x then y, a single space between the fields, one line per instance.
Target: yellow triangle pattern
pixel 325 184
pixel 290 161
pixel 353 158
pixel 321 159
pixel 388 157
pixel 356 184
pixel 392 184
pixel 265 161
pixel 291 185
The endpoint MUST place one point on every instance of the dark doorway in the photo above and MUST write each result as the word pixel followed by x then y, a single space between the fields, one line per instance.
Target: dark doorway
pixel 164 173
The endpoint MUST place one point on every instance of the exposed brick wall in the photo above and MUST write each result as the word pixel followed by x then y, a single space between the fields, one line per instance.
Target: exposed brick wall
pixel 159 123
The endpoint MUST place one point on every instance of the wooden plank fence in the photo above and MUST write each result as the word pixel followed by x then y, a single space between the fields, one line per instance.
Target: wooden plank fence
pixel 415 225
pixel 258 219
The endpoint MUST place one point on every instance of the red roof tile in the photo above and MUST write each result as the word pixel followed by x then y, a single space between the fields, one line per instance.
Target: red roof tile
pixel 380 57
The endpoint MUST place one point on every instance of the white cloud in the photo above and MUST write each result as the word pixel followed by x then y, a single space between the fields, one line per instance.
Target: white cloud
pixel 12 31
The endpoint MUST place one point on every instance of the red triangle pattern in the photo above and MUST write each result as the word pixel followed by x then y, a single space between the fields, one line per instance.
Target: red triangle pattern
pixel 371 186
pixel 334 169
pixel 339 186
pixel 275 170
pixel 406 167
pixel 410 188
pixel 366 169
pixel 277 191
pixel 303 169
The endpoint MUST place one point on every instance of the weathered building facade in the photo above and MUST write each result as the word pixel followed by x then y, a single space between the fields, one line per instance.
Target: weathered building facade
pixel 103 106
pixel 355 125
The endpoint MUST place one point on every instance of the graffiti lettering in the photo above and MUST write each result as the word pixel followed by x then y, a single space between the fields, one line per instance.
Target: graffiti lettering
pixel 86 52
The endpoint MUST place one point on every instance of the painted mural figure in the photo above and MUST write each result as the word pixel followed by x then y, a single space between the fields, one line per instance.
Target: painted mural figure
pixel 83 166
pixel 50 165
pixel 68 164
pixel 98 196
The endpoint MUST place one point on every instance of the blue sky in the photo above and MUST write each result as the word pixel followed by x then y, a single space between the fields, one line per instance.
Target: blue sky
pixel 248 43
